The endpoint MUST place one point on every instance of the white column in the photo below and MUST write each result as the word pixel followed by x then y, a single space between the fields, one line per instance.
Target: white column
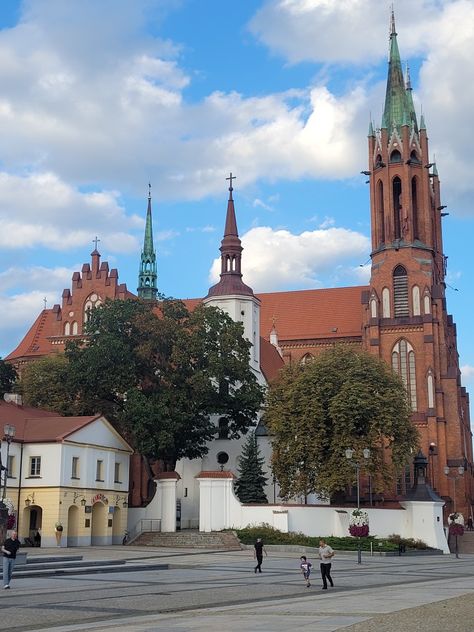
pixel 167 494
pixel 217 503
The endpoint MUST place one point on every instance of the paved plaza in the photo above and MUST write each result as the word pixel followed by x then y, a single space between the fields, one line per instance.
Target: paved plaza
pixel 219 591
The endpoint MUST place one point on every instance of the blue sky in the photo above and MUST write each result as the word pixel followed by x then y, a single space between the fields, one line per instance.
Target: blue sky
pixel 99 97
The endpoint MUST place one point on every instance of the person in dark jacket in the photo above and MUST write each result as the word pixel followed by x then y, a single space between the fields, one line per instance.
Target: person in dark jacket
pixel 9 550
pixel 258 554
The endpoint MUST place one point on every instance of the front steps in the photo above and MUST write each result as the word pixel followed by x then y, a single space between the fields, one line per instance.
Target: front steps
pixel 465 542
pixel 188 539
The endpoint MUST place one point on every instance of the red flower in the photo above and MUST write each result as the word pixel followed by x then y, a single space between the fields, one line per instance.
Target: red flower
pixel 359 531
pixel 456 529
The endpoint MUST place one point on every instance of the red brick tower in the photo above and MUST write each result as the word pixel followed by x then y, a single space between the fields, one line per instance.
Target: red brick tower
pixel 406 322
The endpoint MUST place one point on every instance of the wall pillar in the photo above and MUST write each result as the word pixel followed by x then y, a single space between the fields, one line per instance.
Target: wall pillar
pixel 167 494
pixel 426 522
pixel 216 500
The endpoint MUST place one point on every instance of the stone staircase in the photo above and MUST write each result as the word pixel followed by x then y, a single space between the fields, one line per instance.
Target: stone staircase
pixel 49 566
pixel 190 539
pixel 465 543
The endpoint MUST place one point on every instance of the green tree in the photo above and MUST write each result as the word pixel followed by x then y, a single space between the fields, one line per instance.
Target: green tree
pixel 160 377
pixel 342 399
pixel 44 384
pixel 250 484
pixel 8 377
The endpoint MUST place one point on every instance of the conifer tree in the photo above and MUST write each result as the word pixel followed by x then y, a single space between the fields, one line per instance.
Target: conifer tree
pixel 249 487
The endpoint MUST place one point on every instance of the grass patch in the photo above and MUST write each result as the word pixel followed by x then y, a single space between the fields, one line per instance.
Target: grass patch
pixel 270 535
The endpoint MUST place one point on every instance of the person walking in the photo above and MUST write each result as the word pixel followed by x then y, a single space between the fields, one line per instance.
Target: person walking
pixel 305 569
pixel 259 550
pixel 325 554
pixel 9 550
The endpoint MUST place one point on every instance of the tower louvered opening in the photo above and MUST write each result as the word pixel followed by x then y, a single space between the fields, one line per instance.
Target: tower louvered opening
pixel 400 292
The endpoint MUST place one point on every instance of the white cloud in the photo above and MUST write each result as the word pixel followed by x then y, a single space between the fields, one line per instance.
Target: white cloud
pixel 347 31
pixel 279 259
pixel 22 293
pixel 356 32
pixel 41 210
pixel 258 203
pixel 467 372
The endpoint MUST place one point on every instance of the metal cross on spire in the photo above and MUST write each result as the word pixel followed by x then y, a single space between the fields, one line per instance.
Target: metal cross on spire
pixel 149 190
pixel 95 241
pixel 45 301
pixel 231 177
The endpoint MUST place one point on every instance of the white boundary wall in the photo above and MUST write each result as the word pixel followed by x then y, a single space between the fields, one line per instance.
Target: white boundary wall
pixel 220 509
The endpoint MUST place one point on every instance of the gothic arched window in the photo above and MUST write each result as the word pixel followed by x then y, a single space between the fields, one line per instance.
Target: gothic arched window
pixel 400 292
pixel 397 206
pixel 395 156
pixel 74 328
pixel 380 212
pixel 414 204
pixel 427 302
pixel 431 389
pixel 307 358
pixel 416 300
pixel 386 303
pixel 223 428
pixel 403 363
pixel 92 301
pixel 67 329
pixel 414 158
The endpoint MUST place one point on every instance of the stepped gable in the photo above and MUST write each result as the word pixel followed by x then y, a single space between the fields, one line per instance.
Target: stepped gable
pixel 53 327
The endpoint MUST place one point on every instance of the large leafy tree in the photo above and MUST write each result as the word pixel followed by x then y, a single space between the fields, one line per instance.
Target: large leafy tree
pixel 250 485
pixel 342 399
pixel 45 384
pixel 159 377
pixel 8 377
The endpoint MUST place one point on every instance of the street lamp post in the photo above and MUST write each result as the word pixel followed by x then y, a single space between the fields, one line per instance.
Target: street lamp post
pixel 357 464
pixel 454 478
pixel 9 433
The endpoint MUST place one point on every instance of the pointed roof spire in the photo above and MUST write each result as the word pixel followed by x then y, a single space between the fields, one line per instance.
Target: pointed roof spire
pixel 371 128
pixel 422 122
pixel 409 93
pixel 231 256
pixel 147 276
pixel 396 102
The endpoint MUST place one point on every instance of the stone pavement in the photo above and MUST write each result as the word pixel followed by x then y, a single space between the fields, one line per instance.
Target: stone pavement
pixel 219 591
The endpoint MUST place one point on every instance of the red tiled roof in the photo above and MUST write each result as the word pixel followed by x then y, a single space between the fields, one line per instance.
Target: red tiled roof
pixel 217 474
pixel 270 360
pixel 308 314
pixel 33 425
pixel 298 315
pixel 36 342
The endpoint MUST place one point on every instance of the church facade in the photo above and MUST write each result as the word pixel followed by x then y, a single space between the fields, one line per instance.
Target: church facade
pixel 401 315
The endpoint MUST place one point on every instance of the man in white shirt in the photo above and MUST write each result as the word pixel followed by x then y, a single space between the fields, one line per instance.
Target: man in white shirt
pixel 325 554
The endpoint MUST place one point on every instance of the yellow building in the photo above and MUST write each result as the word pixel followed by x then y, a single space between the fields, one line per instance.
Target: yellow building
pixel 68 477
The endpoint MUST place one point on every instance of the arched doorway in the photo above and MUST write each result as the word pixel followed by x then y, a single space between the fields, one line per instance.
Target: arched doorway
pixel 117 530
pixel 30 524
pixel 99 525
pixel 73 526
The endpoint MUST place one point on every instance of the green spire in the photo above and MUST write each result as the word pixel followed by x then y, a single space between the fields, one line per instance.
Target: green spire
pixel 371 129
pixel 147 288
pixel 409 93
pixel 422 122
pixel 396 102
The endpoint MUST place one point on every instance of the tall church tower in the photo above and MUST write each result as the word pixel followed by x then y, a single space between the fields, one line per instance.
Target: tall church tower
pixel 147 276
pixel 406 322
pixel 231 294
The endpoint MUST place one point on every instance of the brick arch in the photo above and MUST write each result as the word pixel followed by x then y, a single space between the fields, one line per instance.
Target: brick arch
pixel 403 362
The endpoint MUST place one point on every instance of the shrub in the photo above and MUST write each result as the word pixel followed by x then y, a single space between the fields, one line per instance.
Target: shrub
pixel 271 535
